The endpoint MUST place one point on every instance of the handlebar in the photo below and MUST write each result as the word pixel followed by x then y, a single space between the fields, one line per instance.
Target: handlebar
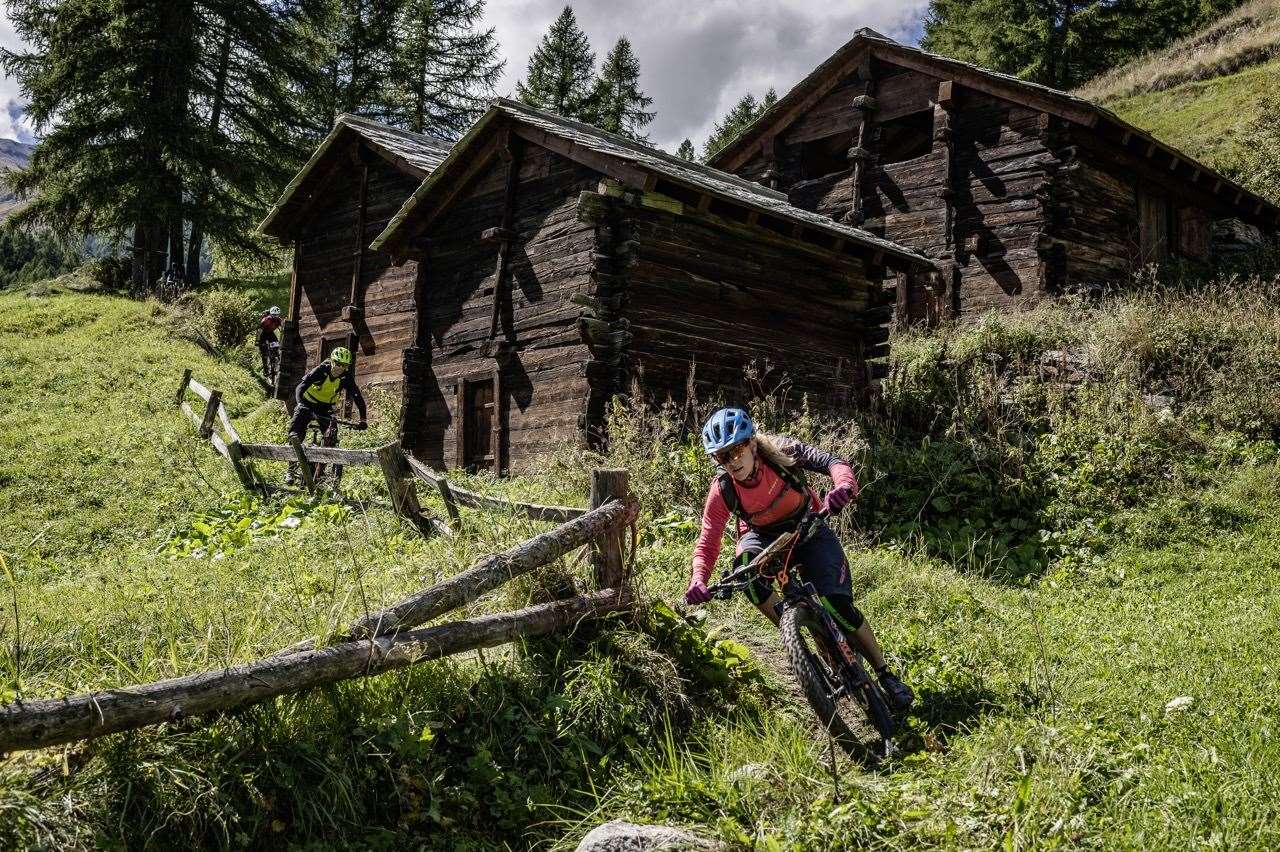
pixel 740 578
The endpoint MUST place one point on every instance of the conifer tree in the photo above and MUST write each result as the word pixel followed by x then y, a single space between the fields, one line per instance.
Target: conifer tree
pixel 745 111
pixel 354 53
pixel 445 66
pixel 617 104
pixel 122 96
pixel 686 152
pixel 561 71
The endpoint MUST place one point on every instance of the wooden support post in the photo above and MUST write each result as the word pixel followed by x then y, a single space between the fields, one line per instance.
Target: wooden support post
pixel 400 484
pixel 446 494
pixel 243 471
pixel 859 155
pixel 510 153
pixel 182 388
pixel 606 551
pixel 210 414
pixel 304 466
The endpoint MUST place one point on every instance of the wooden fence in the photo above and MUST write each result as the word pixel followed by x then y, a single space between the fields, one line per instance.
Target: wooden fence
pixel 376 643
pixel 399 468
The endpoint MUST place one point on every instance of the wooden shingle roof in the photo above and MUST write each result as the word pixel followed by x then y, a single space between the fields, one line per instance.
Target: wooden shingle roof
pixel 415 154
pixel 1107 124
pixel 639 166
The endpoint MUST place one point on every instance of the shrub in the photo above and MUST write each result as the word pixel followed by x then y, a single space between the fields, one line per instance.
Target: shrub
pixel 223 316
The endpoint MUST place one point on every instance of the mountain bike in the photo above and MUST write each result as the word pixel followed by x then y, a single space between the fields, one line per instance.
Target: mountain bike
pixel 845 698
pixel 273 362
pixel 322 432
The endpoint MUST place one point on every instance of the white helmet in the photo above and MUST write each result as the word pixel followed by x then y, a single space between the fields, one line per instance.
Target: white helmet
pixel 275 311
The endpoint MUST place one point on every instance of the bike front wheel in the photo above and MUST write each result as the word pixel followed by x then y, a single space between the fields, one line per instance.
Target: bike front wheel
pixel 861 723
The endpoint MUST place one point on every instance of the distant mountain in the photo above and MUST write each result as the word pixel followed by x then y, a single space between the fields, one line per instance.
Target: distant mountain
pixel 13 155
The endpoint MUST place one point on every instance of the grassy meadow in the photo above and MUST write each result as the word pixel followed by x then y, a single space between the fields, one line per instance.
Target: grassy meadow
pixel 1078 583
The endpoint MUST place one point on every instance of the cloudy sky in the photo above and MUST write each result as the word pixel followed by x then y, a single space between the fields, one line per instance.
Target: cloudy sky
pixel 697 57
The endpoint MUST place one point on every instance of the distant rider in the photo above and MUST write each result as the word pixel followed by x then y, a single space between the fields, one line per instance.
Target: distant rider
pixel 317 394
pixel 762 481
pixel 267 336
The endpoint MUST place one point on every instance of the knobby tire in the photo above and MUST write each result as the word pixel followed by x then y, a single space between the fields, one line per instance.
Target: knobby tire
pixel 809 671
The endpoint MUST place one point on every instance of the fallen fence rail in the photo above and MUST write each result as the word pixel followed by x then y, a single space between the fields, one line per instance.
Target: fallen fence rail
pixel 377 643
pixel 48 722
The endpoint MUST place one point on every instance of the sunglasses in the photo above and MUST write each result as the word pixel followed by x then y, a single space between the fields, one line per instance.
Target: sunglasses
pixel 730 454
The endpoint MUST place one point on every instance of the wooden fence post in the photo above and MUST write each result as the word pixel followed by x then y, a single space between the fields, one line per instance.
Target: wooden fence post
pixel 210 413
pixel 404 493
pixel 446 494
pixel 236 454
pixel 304 466
pixel 606 551
pixel 182 388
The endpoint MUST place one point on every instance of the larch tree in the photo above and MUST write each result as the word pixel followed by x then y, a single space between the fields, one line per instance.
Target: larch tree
pixel 561 71
pixel 745 111
pixel 617 104
pixel 445 68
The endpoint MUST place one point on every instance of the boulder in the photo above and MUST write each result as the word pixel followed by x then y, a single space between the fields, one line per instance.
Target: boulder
pixel 621 836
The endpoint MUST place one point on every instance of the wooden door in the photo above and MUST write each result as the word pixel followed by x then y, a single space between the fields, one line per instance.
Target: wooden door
pixel 1153 224
pixel 479 427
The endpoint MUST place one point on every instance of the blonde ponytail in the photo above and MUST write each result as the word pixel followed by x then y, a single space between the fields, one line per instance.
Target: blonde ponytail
pixel 769 448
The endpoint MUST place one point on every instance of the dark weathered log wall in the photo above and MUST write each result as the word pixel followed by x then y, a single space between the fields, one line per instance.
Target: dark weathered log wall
pixel 1000 165
pixel 326 263
pixel 705 301
pixel 542 383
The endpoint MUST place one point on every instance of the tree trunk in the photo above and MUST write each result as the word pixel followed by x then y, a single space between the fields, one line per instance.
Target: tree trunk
pixel 37 724
pixel 196 245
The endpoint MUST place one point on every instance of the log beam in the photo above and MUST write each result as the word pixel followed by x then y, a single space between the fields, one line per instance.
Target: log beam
pixel 493 571
pixel 49 722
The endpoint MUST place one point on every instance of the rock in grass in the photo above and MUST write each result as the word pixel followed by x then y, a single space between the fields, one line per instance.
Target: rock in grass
pixel 620 836
pixel 1182 702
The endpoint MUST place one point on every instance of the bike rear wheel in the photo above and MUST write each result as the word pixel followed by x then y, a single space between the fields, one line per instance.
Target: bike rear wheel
pixel 861 723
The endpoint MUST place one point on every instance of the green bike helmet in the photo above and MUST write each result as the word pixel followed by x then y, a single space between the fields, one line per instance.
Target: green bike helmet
pixel 341 355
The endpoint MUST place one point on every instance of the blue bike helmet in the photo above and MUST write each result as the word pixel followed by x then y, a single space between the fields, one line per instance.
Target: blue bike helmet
pixel 727 427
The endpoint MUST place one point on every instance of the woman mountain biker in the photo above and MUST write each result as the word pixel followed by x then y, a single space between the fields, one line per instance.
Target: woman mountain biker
pixel 762 482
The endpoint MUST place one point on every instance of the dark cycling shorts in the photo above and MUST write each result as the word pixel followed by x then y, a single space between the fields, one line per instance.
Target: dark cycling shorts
pixel 821 560
pixel 302 415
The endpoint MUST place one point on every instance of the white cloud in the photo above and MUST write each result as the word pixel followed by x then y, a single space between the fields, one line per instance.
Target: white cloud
pixel 698 58
pixel 13 121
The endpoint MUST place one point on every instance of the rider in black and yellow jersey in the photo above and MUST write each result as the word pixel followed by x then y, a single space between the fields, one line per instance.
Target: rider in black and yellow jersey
pixel 318 391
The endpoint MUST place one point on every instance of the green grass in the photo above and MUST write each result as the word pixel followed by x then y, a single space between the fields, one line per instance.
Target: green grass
pixel 1207 118
pixel 1044 717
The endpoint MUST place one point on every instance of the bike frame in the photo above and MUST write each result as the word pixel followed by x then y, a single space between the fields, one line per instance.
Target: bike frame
pixel 326 438
pixel 797 592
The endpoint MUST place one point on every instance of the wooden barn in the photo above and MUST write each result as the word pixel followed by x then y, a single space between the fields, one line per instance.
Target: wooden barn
pixel 1017 190
pixel 343 293
pixel 557 265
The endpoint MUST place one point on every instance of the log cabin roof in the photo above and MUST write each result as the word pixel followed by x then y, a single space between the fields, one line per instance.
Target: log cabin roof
pixel 415 154
pixel 640 167
pixel 1065 105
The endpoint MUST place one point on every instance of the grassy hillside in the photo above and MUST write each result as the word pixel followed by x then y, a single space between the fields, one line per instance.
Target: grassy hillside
pixel 1208 93
pixel 1079 586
